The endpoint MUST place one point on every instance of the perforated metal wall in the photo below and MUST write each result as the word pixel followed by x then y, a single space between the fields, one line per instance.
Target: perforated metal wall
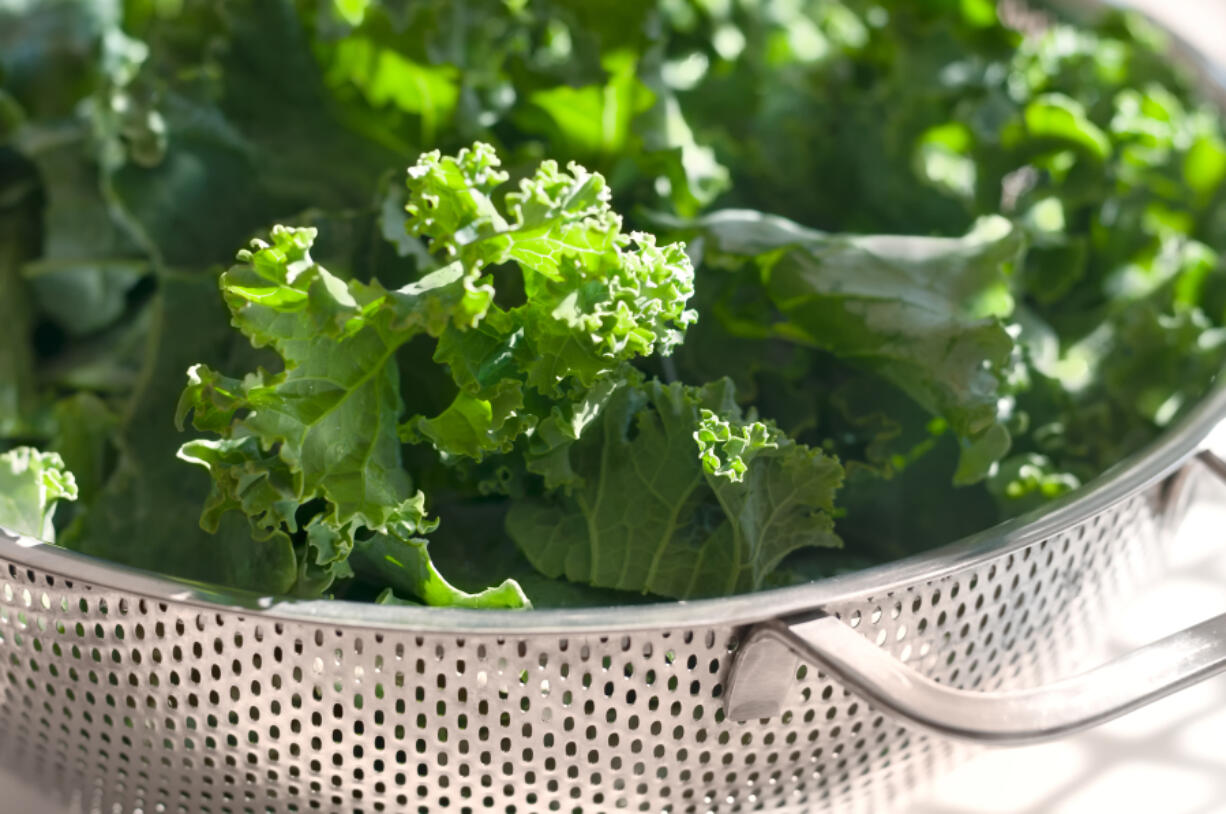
pixel 130 704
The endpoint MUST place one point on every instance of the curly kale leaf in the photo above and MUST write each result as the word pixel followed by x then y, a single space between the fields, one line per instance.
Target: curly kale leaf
pixel 324 430
pixel 312 454
pixel 594 298
pixel 680 495
pixel 30 484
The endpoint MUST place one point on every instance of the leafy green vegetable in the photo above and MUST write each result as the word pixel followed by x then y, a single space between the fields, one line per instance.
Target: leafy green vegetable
pixel 912 272
pixel 86 425
pixel 924 313
pixel 680 497
pixel 1054 121
pixel 1028 481
pixel 595 298
pixel 596 119
pixel 18 218
pixel 30 484
pixel 327 429
pixel 146 513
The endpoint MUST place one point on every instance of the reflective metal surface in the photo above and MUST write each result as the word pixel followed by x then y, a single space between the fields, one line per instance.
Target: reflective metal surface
pixel 134 702
pixel 773 649
pixel 1006 717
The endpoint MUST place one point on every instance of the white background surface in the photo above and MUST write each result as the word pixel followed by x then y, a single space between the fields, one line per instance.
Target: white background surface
pixel 1169 758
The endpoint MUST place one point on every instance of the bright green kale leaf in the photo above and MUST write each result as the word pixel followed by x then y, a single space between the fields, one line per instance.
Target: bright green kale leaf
pixel 725 448
pixel 385 560
pixel 30 484
pixel 680 496
pixel 386 77
pixel 595 120
pixel 593 298
pixel 324 429
pixel 1053 122
pixel 924 313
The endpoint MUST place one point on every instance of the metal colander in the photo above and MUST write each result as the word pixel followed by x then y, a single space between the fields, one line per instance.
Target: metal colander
pixel 126 693
pixel 135 695
pixel 132 694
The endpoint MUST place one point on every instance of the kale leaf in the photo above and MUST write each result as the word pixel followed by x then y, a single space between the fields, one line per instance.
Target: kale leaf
pixel 313 453
pixel 30 484
pixel 939 262
pixel 680 496
pixel 924 313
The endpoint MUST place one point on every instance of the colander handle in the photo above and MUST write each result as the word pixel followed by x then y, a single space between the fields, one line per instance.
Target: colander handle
pixel 768 659
pixel 766 664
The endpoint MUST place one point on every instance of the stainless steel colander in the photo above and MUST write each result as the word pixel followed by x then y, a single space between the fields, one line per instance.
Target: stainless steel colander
pixel 134 694
pixel 126 693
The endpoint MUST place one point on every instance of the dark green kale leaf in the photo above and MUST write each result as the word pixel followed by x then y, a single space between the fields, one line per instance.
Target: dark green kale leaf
pixel 923 313
pixel 146 513
pixel 19 232
pixel 679 495
pixel 229 98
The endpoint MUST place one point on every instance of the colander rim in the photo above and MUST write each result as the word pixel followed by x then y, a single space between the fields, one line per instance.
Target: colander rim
pixel 1132 476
